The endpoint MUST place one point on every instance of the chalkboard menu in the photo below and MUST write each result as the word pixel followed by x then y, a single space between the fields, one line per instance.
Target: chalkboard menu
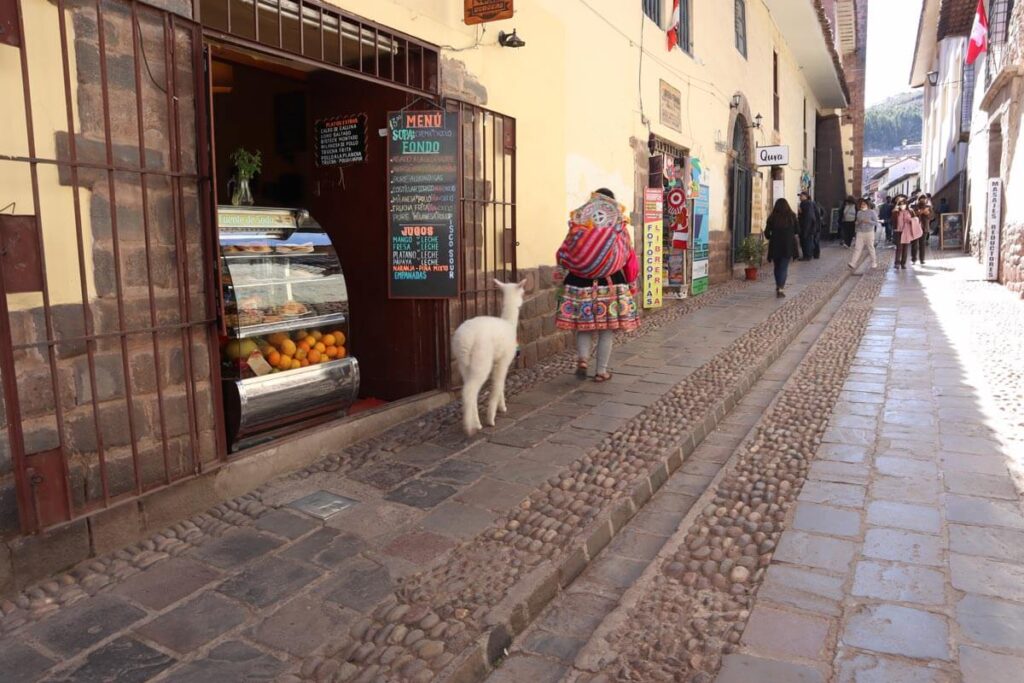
pixel 423 156
pixel 341 140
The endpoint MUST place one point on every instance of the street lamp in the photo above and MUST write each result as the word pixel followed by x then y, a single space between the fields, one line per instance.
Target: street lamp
pixel 933 78
pixel 757 122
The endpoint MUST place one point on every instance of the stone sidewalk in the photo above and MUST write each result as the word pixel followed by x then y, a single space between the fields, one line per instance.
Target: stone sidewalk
pixel 903 560
pixel 399 584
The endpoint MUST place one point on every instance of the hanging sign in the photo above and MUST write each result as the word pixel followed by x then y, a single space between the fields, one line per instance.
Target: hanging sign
pixel 772 156
pixel 993 218
pixel 653 254
pixel 482 11
pixel 423 156
pixel 701 224
pixel 341 140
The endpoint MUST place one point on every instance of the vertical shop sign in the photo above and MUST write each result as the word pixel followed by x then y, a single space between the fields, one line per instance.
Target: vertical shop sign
pixel 481 11
pixel 653 250
pixel 423 155
pixel 993 216
pixel 701 246
pixel 677 236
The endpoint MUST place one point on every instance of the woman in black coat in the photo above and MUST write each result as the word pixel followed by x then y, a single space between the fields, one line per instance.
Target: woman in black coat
pixel 781 232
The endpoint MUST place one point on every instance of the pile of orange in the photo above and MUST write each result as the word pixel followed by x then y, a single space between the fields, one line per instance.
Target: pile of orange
pixel 303 348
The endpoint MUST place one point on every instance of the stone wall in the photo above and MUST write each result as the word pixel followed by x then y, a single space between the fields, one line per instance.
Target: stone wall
pixel 123 395
pixel 538 336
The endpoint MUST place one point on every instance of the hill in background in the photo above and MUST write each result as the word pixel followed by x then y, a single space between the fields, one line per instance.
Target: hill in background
pixel 888 124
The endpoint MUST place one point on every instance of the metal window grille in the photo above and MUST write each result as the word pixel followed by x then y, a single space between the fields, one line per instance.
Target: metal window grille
pixel 487 198
pixel 776 113
pixel 999 20
pixel 741 26
pixel 967 98
pixel 652 8
pixel 108 334
pixel 326 37
pixel 685 26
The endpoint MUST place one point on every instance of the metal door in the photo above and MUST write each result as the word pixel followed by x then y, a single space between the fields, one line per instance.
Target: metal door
pixel 108 323
pixel 741 206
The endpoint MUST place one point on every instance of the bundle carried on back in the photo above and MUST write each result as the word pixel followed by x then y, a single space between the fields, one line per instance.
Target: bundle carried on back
pixel 598 244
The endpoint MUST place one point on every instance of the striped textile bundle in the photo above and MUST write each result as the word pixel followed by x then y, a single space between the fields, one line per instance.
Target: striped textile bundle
pixel 598 244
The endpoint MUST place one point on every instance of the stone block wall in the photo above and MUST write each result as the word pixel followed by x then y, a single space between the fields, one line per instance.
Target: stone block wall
pixel 538 336
pixel 124 394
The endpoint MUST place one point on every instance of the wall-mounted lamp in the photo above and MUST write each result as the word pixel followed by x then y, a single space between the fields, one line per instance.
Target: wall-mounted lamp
pixel 736 102
pixel 510 39
pixel 933 78
pixel 757 121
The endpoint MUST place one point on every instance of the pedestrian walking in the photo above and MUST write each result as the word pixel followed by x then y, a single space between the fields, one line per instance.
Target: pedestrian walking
pixel 781 232
pixel 597 296
pixel 866 224
pixel 848 220
pixel 924 214
pixel 885 215
pixel 908 226
pixel 808 227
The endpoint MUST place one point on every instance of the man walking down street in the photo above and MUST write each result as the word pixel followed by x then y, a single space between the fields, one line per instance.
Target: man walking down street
pixel 808 215
pixel 885 215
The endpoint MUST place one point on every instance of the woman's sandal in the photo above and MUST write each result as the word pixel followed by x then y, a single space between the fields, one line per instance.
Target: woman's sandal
pixel 581 369
pixel 604 377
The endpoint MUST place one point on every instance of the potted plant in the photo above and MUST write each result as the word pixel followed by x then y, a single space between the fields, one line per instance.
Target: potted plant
pixel 247 165
pixel 752 250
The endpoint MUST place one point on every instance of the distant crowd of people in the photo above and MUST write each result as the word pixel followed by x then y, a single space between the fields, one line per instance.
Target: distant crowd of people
pixel 906 222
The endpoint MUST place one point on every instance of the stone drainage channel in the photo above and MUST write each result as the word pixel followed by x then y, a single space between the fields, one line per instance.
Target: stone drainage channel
pixel 453 621
pixel 690 606
pixel 96 575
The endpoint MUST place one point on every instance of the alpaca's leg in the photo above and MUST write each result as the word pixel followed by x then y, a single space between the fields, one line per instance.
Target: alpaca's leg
pixel 472 381
pixel 496 401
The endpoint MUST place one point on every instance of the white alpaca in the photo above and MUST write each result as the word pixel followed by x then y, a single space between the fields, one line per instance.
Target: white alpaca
pixel 484 346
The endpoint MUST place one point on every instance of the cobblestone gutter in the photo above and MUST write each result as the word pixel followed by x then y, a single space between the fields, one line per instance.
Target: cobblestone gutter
pixel 691 607
pixel 100 574
pixel 453 621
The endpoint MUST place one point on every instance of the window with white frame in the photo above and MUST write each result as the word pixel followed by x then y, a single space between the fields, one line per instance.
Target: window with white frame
pixel 741 26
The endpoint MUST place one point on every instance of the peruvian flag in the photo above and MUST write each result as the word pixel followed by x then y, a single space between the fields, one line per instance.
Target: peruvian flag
pixel 979 34
pixel 673 29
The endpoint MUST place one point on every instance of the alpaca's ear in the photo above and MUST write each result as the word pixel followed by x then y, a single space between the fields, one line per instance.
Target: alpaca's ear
pixel 522 285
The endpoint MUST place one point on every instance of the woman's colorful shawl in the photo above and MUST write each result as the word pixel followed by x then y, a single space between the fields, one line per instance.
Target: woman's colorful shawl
pixel 598 244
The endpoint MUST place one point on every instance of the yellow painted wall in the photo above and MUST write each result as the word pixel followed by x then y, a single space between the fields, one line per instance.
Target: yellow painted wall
pixel 49 116
pixel 580 92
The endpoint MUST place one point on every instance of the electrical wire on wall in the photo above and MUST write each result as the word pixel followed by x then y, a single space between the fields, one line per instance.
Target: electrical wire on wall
pixel 640 75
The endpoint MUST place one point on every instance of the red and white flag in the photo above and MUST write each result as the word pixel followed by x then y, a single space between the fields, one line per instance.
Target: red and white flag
pixel 979 34
pixel 673 29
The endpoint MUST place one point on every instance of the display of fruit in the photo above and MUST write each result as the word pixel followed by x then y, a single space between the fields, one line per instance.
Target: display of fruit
pixel 283 351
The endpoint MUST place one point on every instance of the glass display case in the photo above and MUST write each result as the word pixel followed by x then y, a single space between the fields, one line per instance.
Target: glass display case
pixel 285 355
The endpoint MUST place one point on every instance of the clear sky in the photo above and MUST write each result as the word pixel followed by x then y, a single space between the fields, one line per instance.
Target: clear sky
pixel 892 35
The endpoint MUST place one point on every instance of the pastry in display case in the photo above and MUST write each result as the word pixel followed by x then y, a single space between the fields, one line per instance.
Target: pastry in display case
pixel 285 355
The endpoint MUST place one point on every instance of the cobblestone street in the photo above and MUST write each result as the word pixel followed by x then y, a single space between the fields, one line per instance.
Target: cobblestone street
pixel 817 488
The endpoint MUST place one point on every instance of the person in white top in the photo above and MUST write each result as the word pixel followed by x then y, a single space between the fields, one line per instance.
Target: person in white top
pixel 866 224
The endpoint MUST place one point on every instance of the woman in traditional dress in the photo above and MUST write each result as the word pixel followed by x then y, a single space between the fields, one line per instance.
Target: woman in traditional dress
pixel 597 297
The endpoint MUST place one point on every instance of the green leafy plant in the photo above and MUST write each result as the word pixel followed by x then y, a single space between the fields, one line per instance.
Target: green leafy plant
pixel 752 250
pixel 247 164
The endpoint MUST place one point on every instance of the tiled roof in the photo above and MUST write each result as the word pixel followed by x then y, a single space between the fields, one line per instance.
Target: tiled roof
pixel 826 28
pixel 956 17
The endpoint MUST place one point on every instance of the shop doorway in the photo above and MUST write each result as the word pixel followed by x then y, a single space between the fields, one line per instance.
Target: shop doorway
pixel 742 188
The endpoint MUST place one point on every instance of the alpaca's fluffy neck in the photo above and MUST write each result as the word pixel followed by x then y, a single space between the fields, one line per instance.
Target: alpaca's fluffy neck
pixel 510 312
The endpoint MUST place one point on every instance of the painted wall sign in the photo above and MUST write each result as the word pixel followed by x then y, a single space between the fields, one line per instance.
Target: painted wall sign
pixel 671 107
pixel 341 140
pixel 652 260
pixel 701 246
pixel 423 244
pixel 993 221
pixel 481 11
pixel 777 155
